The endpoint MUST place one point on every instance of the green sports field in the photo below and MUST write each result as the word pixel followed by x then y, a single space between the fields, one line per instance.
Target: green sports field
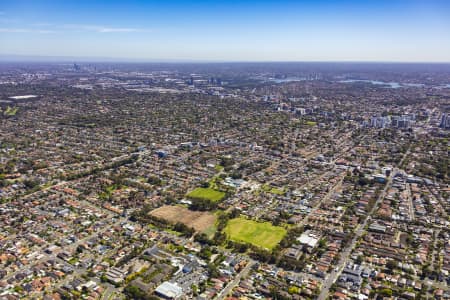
pixel 263 235
pixel 206 193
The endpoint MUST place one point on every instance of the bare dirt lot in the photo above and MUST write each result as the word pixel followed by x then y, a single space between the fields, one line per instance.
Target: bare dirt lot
pixel 198 220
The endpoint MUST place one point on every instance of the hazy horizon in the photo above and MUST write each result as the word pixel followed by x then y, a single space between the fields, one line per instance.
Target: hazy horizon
pixel 5 58
pixel 228 31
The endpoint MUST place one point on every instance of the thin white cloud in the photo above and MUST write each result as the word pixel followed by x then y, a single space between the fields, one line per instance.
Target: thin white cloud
pixel 8 20
pixel 42 24
pixel 52 28
pixel 25 30
pixel 105 29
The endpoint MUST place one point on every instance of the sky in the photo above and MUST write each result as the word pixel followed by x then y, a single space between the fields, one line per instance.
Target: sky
pixel 246 30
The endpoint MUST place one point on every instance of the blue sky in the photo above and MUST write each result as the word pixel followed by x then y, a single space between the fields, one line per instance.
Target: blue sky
pixel 352 30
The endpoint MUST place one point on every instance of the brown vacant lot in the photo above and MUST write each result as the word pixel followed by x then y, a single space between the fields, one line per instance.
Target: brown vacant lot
pixel 198 220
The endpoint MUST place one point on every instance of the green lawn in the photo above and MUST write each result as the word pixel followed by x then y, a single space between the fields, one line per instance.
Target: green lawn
pixel 206 193
pixel 277 191
pixel 11 111
pixel 272 190
pixel 263 235
pixel 210 231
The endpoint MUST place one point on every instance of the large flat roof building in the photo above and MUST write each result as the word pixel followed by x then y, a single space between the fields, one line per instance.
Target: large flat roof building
pixel 169 290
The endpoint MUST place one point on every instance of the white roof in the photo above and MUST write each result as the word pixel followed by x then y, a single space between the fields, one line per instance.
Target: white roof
pixel 169 290
pixel 308 239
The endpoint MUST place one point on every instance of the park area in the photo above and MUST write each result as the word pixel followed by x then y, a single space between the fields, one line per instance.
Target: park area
pixel 200 221
pixel 206 194
pixel 263 235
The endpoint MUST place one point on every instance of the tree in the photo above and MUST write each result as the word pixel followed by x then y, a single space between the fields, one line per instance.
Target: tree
pixel 293 290
pixel 185 230
pixel 391 264
pixel 359 259
pixel 31 183
pixel 135 293
pixel 235 213
pixel 212 271
pixel 205 252
pixel 202 204
pixel 204 184
pixel 154 180
pixel 202 238
pixel 219 238
pixel 385 292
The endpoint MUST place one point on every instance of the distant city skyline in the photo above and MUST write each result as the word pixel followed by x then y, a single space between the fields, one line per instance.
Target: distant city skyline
pixel 388 31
